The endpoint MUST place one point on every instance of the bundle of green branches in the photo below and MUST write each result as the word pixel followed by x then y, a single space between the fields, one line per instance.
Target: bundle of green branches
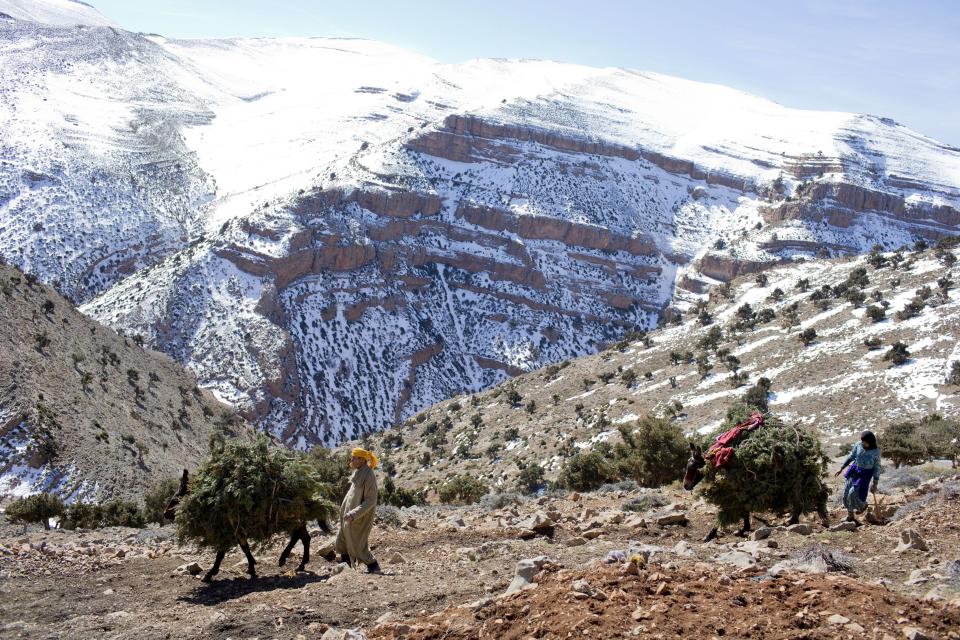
pixel 776 468
pixel 251 491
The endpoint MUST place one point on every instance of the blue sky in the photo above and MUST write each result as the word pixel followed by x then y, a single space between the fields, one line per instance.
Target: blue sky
pixel 899 59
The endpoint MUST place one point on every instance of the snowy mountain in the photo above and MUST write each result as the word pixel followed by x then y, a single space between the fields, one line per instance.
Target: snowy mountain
pixel 334 233
pixel 54 12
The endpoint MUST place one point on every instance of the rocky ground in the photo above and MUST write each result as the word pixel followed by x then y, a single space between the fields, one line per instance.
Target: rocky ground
pixel 452 572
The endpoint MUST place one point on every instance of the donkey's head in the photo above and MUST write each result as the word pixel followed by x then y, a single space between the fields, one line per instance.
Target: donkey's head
pixel 693 474
pixel 171 509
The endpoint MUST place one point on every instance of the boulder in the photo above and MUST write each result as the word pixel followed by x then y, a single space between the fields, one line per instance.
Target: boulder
pixel 524 573
pixel 577 541
pixel 800 529
pixel 671 518
pixel 844 526
pixel 911 540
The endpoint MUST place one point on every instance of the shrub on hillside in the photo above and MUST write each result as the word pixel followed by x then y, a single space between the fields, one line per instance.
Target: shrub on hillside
pixel 463 489
pixel 756 397
pixel 530 479
pixel 586 471
pixel 876 313
pixel 953 377
pixel 396 496
pixel 897 354
pixel 653 452
pixel 807 336
pixel 113 513
pixel 38 508
pixel 901 444
pixel 912 443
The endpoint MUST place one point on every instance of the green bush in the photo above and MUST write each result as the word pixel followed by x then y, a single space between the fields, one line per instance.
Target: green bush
pixel 653 452
pixel 530 478
pixel 398 497
pixel 912 443
pixel 897 354
pixel 901 444
pixel 36 508
pixel 587 471
pixel 155 499
pixel 462 489
pixel 114 513
pixel 250 490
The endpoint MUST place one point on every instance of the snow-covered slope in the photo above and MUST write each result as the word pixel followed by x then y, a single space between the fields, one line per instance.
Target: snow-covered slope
pixel 333 233
pixel 54 12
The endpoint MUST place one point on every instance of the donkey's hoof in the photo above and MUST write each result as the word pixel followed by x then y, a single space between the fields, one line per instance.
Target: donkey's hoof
pixel 207 578
pixel 301 568
pixel 742 533
pixel 283 560
pixel 711 536
pixel 252 574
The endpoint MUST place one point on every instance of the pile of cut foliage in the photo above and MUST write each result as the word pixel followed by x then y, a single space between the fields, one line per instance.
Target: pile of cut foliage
pixel 252 491
pixel 777 468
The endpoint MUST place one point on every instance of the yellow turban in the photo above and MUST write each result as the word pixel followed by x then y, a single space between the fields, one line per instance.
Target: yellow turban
pixel 369 456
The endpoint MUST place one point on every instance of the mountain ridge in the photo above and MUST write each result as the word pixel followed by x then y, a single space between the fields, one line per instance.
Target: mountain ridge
pixel 332 255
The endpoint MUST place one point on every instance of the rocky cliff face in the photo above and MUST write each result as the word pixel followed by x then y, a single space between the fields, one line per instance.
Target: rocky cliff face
pixel 331 257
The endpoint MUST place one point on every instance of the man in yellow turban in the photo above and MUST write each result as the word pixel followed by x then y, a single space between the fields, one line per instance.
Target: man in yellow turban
pixel 358 511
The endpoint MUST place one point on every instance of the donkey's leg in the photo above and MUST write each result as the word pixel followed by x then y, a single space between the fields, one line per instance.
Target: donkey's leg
pixel 215 569
pixel 305 540
pixel 794 517
pixel 294 536
pixel 250 561
pixel 746 525
pixel 712 535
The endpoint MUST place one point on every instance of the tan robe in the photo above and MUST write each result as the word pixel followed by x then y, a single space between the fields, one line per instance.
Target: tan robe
pixel 361 503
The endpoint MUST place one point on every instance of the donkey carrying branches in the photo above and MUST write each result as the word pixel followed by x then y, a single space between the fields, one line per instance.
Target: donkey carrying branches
pixel 248 492
pixel 772 467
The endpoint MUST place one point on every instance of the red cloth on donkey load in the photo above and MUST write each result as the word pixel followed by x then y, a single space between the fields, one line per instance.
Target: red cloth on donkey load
pixel 721 450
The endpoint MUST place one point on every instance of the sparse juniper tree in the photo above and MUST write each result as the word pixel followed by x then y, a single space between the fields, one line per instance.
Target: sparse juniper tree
pixel 872 343
pixel 807 336
pixel 876 313
pixel 897 354
pixel 776 295
pixel 802 285
pixel 953 377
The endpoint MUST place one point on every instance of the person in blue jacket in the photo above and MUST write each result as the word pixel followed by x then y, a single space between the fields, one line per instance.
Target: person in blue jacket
pixel 862 476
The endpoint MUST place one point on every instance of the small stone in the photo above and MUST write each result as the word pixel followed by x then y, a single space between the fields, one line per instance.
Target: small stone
pixel 800 529
pixel 855 628
pixel 844 526
pixel 191 568
pixel 740 559
pixel 915 633
pixel 592 534
pixel 577 541
pixel 582 586
pixel 670 519
pixel 761 534
pixel 575 497
pixel 837 619
pixel 641 614
pixel 108 592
